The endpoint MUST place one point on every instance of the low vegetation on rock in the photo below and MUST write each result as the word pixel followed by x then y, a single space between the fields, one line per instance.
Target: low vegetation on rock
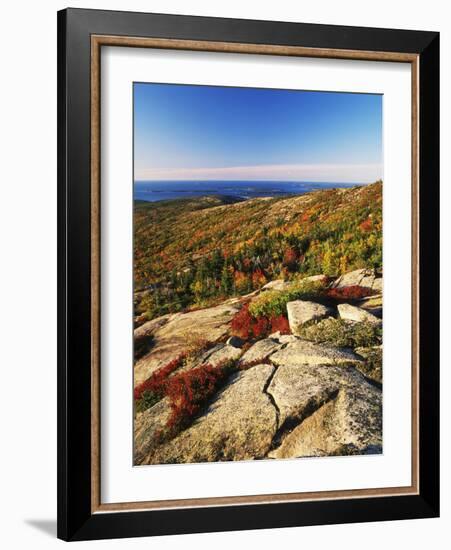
pixel 342 334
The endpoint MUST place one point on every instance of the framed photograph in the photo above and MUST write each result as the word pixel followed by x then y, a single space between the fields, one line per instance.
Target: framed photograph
pixel 248 274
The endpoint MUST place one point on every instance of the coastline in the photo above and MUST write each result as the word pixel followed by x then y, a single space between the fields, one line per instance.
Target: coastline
pixel 154 191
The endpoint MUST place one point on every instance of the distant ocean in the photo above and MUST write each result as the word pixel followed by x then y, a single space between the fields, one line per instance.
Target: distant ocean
pixel 152 191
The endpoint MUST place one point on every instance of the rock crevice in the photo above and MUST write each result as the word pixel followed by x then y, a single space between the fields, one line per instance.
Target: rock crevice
pixel 291 422
pixel 271 397
pixel 326 411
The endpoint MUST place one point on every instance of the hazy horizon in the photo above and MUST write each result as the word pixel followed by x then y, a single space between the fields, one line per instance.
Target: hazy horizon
pixel 252 181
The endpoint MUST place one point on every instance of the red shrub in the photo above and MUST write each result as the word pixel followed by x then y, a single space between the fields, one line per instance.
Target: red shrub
pixel 260 327
pixel 245 326
pixel 241 323
pixel 258 278
pixel 353 292
pixel 189 390
pixel 290 257
pixel 280 324
pixel 156 383
pixel 366 225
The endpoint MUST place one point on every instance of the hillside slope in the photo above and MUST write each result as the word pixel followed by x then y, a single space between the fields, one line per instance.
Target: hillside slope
pixel 197 252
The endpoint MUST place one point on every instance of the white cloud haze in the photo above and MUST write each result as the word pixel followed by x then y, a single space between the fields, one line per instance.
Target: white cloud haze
pixel 333 173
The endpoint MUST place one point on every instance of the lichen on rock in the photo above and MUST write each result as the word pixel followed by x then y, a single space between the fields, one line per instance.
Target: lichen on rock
pixel 328 410
pixel 301 312
pixel 303 352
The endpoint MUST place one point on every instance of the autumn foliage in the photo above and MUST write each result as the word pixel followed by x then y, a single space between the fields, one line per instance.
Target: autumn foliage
pixel 157 382
pixel 258 278
pixel 353 292
pixel 188 391
pixel 241 280
pixel 290 258
pixel 366 226
pixel 280 324
pixel 196 252
pixel 246 326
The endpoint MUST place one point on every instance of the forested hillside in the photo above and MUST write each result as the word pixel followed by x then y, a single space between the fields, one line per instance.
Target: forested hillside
pixel 196 252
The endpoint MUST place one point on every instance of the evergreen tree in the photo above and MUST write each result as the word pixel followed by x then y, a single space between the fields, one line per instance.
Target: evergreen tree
pixel 216 263
pixel 226 280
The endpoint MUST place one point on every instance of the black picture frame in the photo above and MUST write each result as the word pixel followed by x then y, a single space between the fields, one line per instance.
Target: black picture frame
pixel 76 521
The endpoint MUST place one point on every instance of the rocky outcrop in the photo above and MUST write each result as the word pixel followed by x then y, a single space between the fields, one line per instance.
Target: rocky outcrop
pixel 238 425
pixel 178 333
pixel 260 351
pixel 299 389
pixel 326 411
pixel 373 304
pixel 316 279
pixel 148 328
pixel 348 312
pixel 366 278
pixel 221 354
pixel 287 338
pixel 303 352
pixel 264 411
pixel 301 312
pixel 214 356
pixel 147 427
pixel 283 338
pixel 372 367
pixel 278 284
pixel 287 397
pixel 378 285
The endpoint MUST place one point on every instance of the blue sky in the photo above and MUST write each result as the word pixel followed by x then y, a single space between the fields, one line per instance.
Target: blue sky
pixel 207 132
